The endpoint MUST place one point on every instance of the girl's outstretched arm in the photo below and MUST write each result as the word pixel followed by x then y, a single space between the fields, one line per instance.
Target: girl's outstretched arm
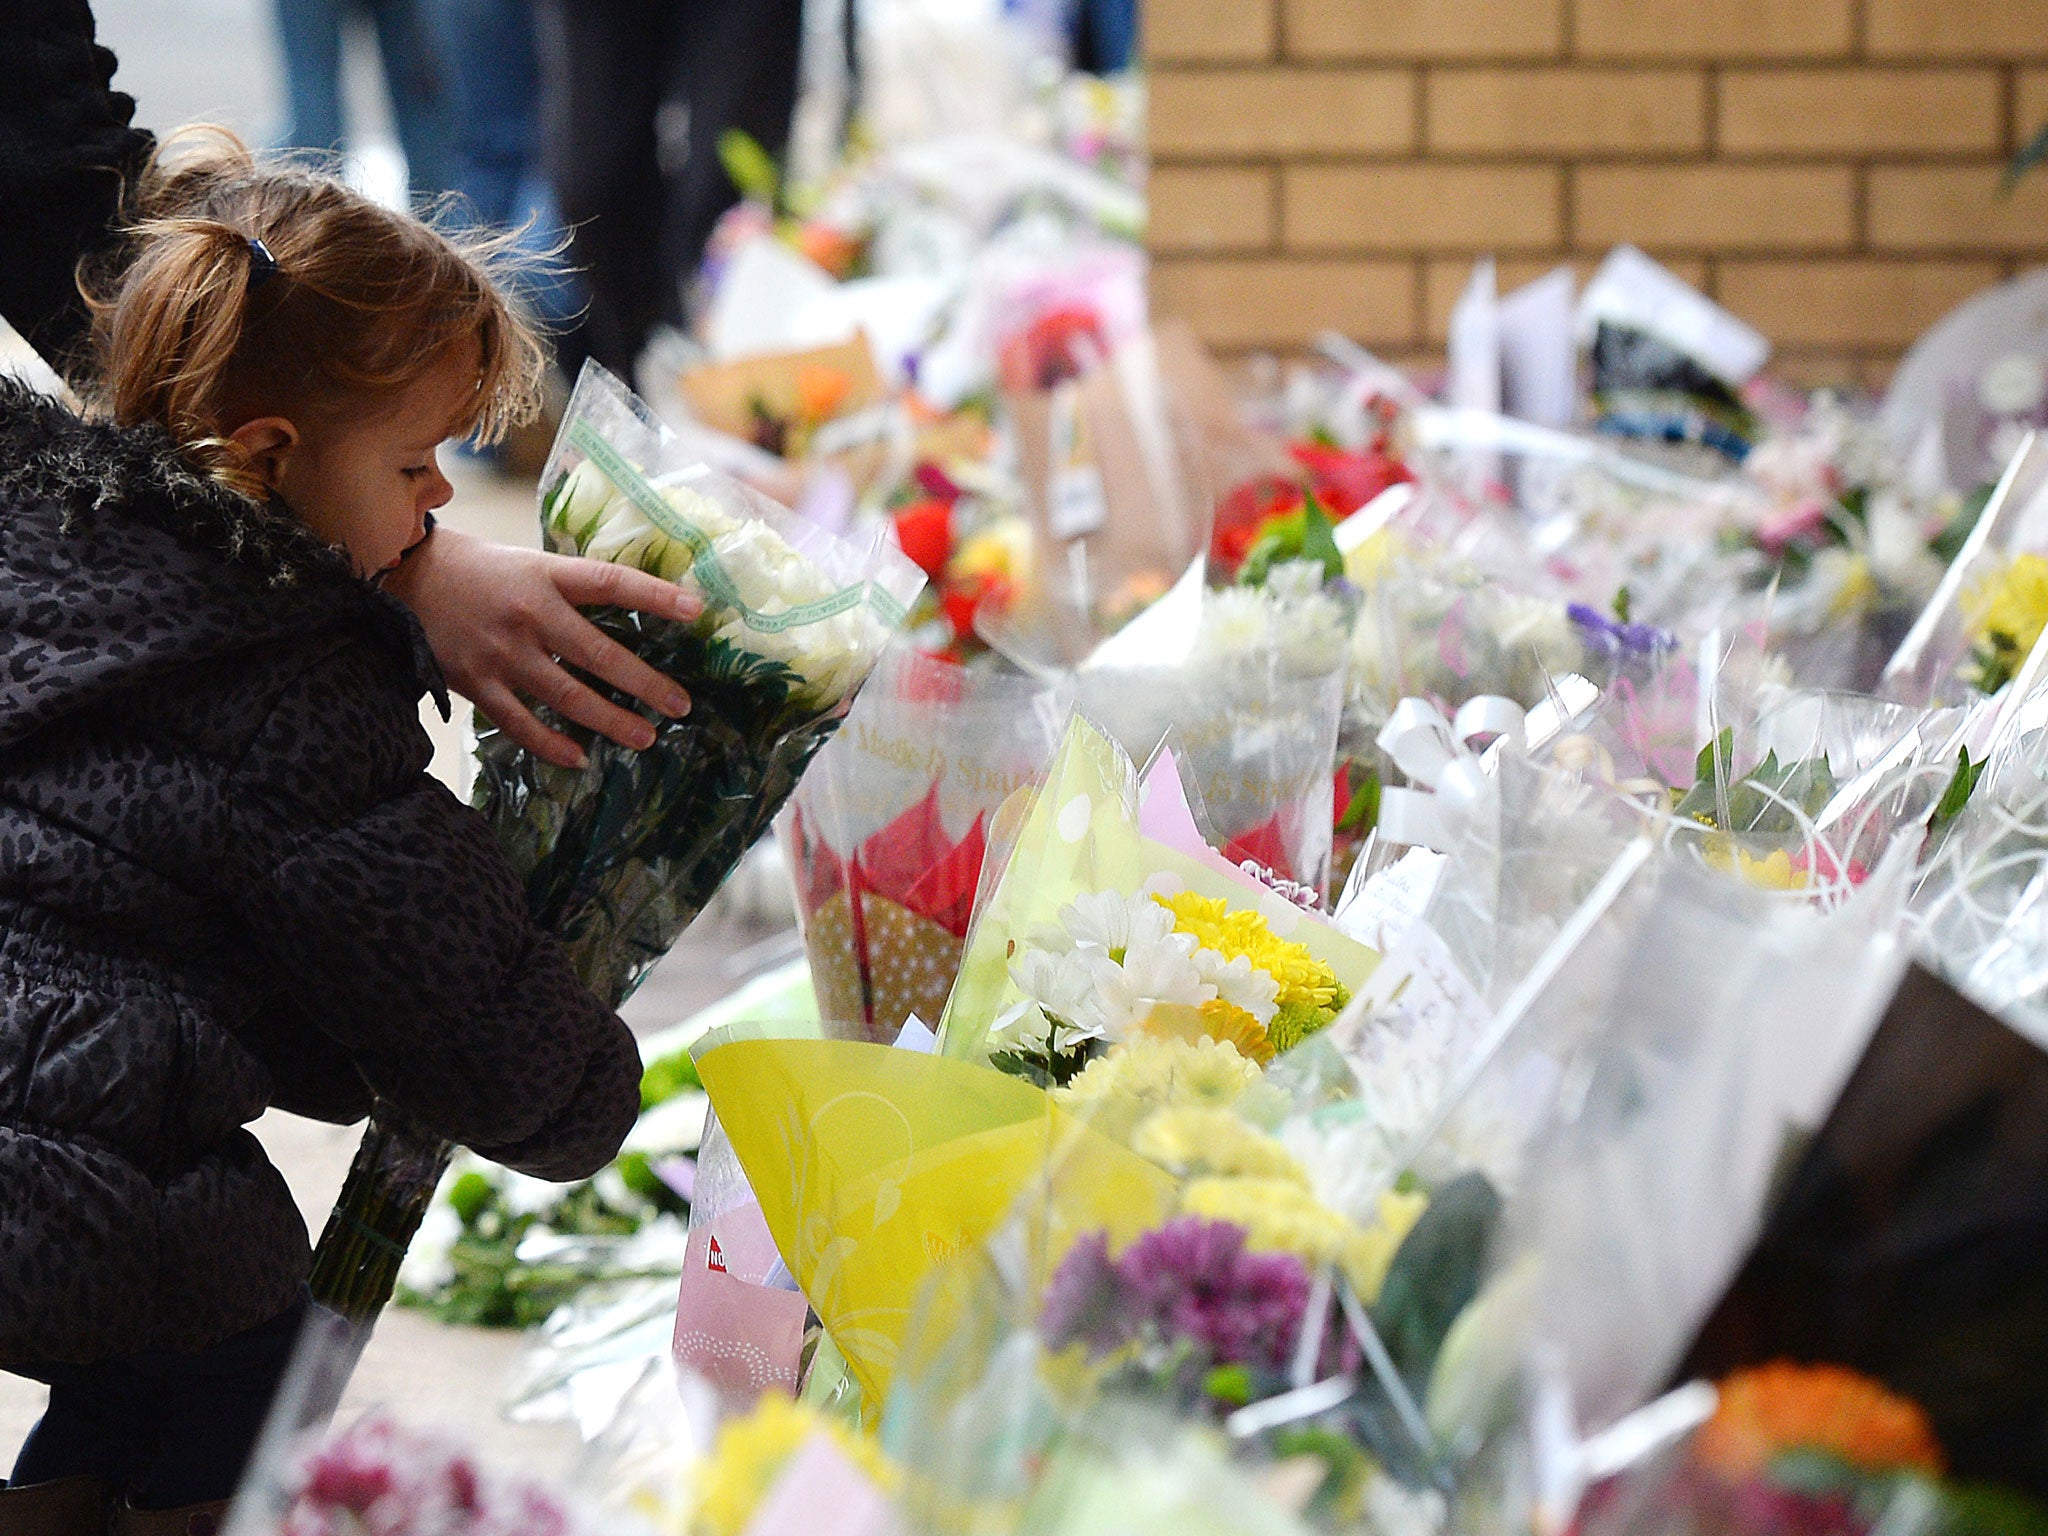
pixel 502 622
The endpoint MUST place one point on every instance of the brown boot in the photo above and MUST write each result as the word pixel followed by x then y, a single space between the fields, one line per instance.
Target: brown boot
pixel 192 1520
pixel 71 1506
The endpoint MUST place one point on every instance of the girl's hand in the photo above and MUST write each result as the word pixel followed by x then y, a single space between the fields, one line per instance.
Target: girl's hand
pixel 503 620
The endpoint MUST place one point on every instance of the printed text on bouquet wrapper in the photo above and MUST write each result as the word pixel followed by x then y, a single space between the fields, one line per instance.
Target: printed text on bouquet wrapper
pixel 936 765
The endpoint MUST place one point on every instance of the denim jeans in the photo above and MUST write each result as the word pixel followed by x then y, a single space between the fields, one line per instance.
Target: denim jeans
pixel 417 78
pixel 489 48
pixel 164 1430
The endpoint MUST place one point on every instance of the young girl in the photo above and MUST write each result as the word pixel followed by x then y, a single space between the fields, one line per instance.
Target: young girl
pixel 226 881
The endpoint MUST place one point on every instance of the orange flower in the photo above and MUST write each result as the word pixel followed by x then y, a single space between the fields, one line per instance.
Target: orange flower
pixel 833 249
pixel 1786 1406
pixel 820 392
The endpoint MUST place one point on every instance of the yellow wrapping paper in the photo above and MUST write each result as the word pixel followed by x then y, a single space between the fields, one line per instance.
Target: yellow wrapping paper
pixel 876 1166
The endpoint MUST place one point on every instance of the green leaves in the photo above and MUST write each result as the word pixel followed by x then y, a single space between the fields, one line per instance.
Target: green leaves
pixel 667 1077
pixel 1770 798
pixel 752 168
pixel 1435 1275
pixel 1306 534
pixel 1363 813
pixel 1960 786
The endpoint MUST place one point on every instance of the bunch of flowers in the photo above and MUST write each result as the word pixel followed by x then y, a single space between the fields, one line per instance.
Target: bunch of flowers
pixel 620 855
pixel 1293 613
pixel 1331 483
pixel 970 552
pixel 1183 1300
pixel 378 1478
pixel 1117 965
pixel 2005 613
pixel 1811 1449
pixel 1835 514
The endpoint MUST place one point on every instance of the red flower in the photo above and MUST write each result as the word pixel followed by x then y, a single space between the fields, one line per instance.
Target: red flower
pixel 1346 481
pixel 1819 860
pixel 925 531
pixel 1059 345
pixel 1243 514
pixel 960 596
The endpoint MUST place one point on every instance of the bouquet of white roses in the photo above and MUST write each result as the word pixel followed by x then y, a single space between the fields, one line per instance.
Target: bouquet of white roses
pixel 620 855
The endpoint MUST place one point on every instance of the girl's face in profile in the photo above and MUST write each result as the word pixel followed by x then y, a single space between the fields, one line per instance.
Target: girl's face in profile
pixel 367 483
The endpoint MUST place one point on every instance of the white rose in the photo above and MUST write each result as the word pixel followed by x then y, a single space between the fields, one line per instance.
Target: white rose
pixel 580 503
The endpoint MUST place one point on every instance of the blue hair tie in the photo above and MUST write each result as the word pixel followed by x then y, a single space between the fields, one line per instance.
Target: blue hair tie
pixel 262 265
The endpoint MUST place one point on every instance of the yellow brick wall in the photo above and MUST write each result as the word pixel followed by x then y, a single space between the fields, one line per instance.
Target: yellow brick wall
pixel 1828 169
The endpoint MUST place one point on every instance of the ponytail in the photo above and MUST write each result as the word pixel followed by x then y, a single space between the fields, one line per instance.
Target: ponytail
pixel 170 341
pixel 250 288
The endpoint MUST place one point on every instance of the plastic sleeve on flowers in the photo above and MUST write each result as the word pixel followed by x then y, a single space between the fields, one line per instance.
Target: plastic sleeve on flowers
pixel 384 904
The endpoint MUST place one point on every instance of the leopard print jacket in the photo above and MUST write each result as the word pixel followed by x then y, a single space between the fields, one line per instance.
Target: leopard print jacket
pixel 227 882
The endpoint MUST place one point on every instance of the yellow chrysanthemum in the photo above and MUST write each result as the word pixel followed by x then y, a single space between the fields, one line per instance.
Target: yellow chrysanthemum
pixel 1217 1019
pixel 1198 1139
pixel 751 1451
pixel 1282 1216
pixel 1147 1072
pixel 1774 872
pixel 2012 602
pixel 1210 921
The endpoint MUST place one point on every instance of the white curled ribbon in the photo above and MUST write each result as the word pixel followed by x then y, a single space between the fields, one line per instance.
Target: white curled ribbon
pixel 1448 772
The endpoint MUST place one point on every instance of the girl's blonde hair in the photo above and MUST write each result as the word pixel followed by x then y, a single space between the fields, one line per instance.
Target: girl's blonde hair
pixel 192 326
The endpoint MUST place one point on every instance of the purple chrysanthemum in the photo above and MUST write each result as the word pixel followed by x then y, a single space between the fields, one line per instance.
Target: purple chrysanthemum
pixel 1085 1301
pixel 1190 1281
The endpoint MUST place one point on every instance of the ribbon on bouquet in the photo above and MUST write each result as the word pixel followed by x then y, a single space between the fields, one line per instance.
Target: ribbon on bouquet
pixel 1445 770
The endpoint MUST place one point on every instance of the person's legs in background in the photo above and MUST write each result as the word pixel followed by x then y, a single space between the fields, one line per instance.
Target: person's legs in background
pixel 1105 35
pixel 421 87
pixel 490 49
pixel 737 68
pixel 604 69
pixel 309 39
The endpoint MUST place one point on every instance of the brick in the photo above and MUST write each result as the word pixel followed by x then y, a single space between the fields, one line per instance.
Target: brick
pixel 1565 111
pixel 1860 111
pixel 1281 111
pixel 1873 304
pixel 1210 31
pixel 1444 278
pixel 1420 207
pixel 1715 207
pixel 1713 29
pixel 1940 208
pixel 1288 303
pixel 1959 29
pixel 1424 29
pixel 1203 210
